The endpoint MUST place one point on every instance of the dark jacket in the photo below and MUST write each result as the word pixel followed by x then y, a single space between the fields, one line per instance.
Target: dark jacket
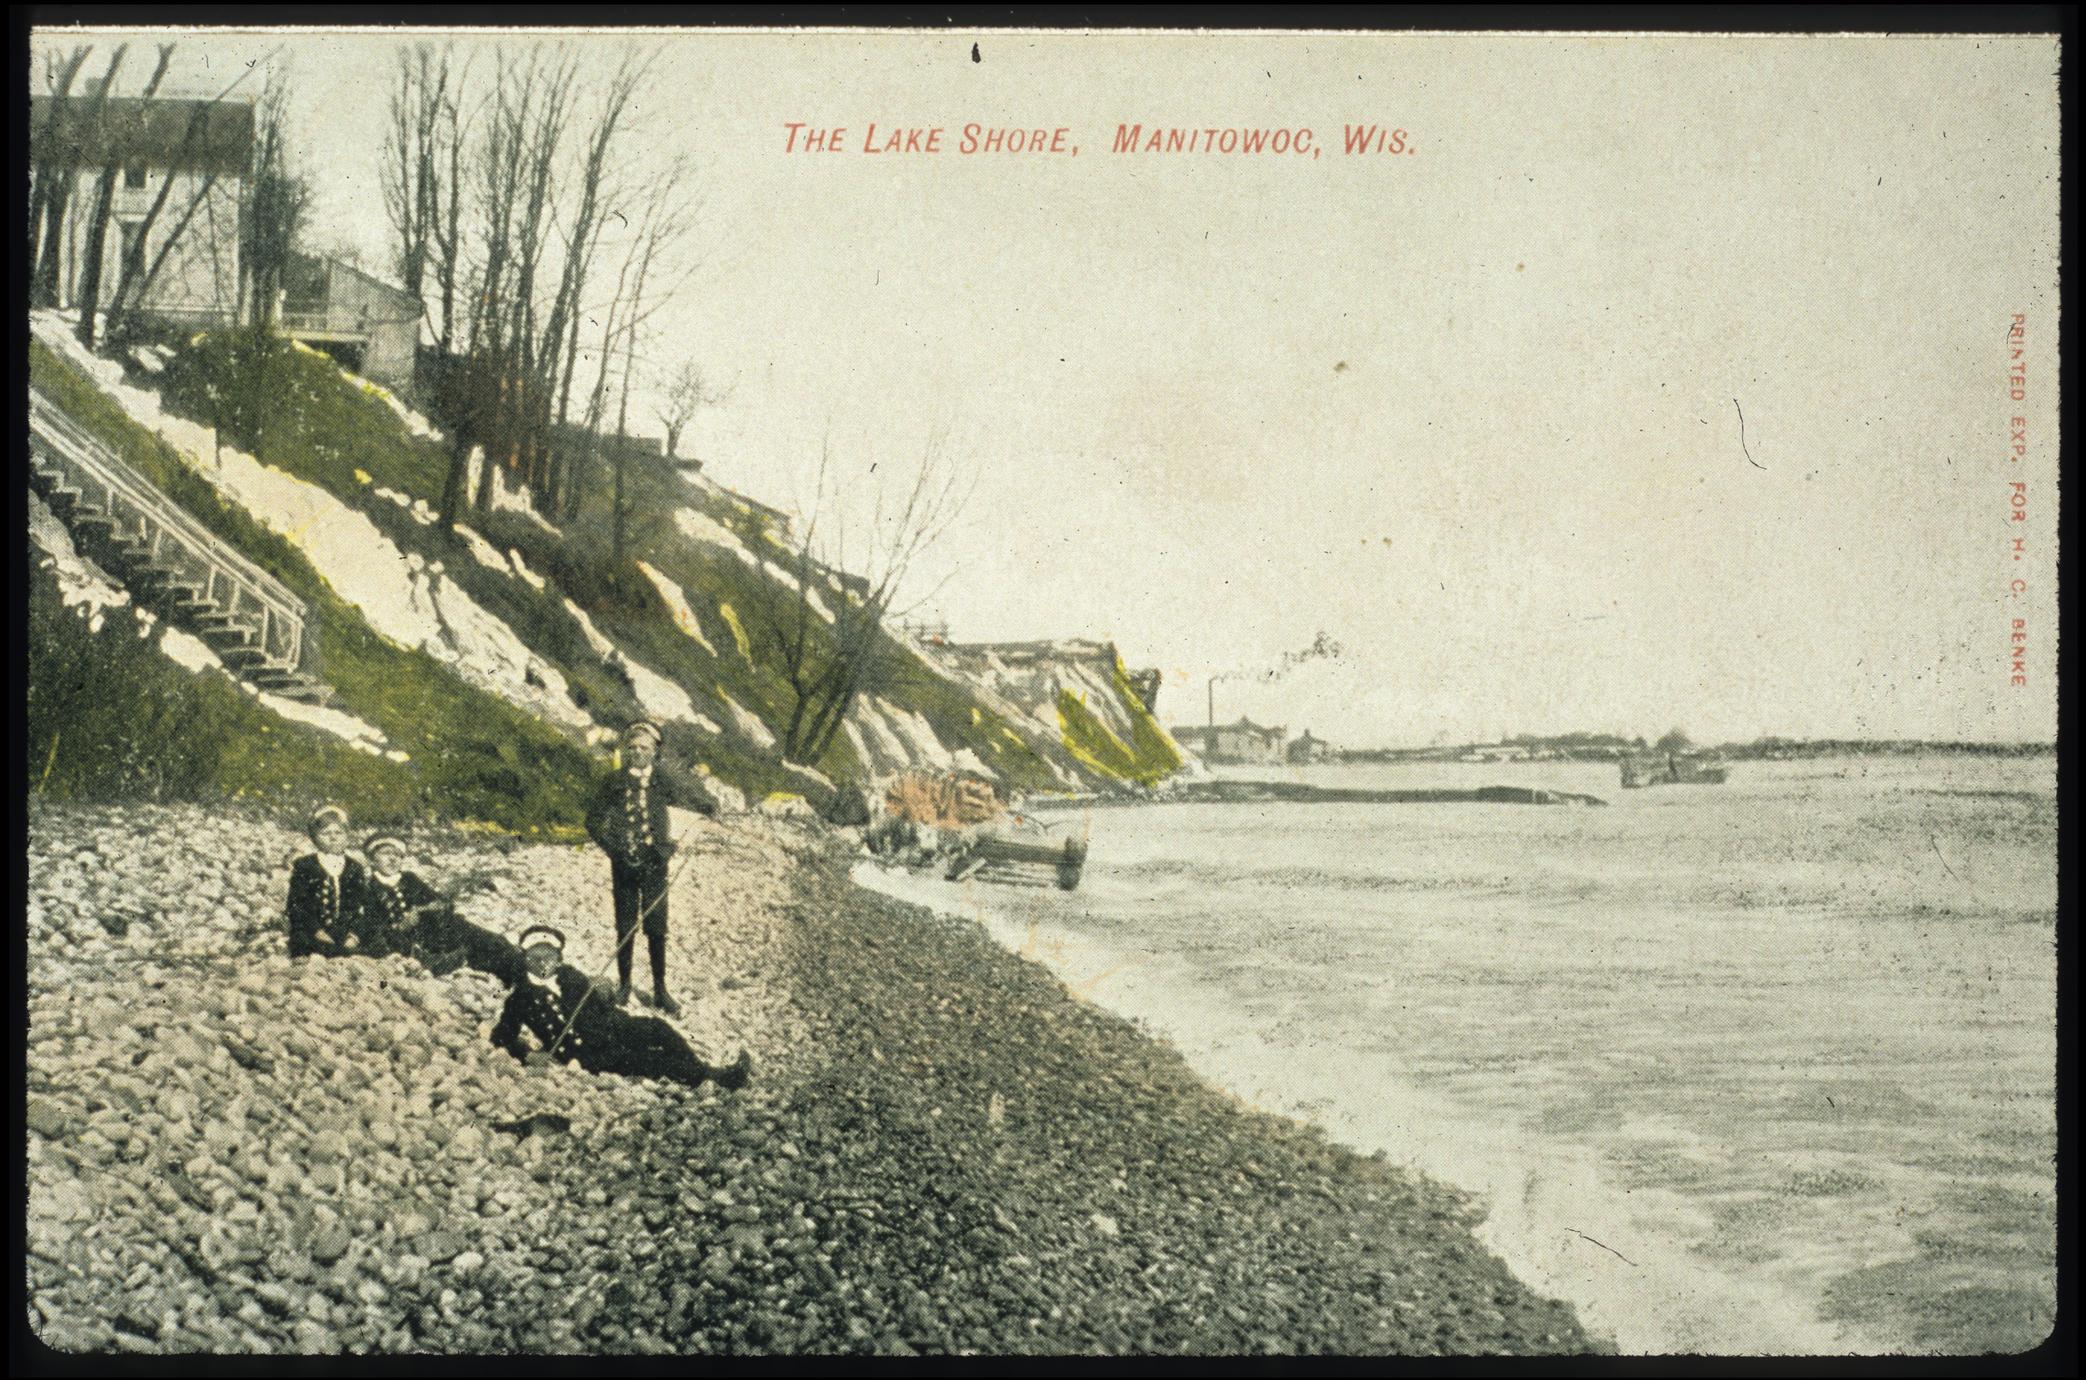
pixel 630 822
pixel 601 1037
pixel 389 923
pixel 322 913
pixel 542 1014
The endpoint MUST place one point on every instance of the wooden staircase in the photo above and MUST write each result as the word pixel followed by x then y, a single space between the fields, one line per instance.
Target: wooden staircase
pixel 171 563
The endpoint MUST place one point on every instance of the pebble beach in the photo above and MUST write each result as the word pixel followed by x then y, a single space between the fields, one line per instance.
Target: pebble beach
pixel 942 1151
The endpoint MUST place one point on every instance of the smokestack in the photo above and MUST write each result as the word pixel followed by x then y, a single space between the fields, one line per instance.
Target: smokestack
pixel 1213 703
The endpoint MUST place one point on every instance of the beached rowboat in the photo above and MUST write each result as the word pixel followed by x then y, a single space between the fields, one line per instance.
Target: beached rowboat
pixel 1020 854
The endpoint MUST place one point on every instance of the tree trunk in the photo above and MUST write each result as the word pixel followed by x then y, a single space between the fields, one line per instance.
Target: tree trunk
pixel 53 185
pixel 50 259
pixel 89 296
pixel 90 264
pixel 622 459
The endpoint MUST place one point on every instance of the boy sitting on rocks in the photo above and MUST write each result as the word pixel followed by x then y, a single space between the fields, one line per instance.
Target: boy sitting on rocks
pixel 326 890
pixel 401 914
pixel 551 1002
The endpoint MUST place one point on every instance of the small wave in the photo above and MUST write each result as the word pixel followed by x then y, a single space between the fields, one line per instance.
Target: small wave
pixel 1292 878
pixel 2048 797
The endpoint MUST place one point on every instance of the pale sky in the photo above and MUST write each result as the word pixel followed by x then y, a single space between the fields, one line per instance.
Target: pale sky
pixel 1473 410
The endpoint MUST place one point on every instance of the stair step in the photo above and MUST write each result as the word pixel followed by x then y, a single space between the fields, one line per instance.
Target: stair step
pixel 185 599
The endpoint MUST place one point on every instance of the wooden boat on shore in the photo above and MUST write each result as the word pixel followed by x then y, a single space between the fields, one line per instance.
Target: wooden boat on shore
pixel 1672 769
pixel 1019 852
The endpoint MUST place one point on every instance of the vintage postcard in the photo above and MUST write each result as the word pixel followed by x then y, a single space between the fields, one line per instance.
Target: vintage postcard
pixel 983 692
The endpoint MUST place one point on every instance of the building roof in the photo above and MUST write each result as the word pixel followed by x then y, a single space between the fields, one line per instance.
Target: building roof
pixel 1246 725
pixel 193 135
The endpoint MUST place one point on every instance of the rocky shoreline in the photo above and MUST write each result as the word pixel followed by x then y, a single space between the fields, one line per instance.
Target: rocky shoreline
pixel 232 1151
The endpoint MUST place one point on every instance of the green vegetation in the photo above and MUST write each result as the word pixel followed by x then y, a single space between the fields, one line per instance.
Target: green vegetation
pixel 292 408
pixel 1145 760
pixel 1154 752
pixel 472 755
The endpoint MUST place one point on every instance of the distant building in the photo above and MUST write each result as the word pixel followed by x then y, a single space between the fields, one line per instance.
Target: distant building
pixel 366 323
pixel 608 445
pixel 203 148
pixel 1309 749
pixel 1241 742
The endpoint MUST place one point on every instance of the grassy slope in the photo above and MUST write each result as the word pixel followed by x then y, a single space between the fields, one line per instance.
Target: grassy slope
pixel 293 409
pixel 473 756
pixel 1145 759
pixel 335 430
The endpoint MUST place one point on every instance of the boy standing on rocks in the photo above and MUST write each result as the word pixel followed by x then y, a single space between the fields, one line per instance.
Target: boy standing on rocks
pixel 629 822
pixel 326 891
pixel 551 1003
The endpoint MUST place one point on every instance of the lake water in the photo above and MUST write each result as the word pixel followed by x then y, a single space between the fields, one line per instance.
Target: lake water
pixel 1765 1067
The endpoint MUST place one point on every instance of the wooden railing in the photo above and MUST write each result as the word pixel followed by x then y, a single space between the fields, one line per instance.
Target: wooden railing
pixel 333 319
pixel 138 512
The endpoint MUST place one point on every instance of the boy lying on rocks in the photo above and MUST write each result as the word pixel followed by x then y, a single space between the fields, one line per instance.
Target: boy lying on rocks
pixel 401 914
pixel 551 1002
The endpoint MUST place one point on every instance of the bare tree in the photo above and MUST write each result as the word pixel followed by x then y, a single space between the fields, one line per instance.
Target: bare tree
pixel 687 392
pixel 54 174
pixel 104 196
pixel 136 277
pixel 446 218
pixel 666 221
pixel 501 197
pixel 409 177
pixel 831 647
pixel 581 240
pixel 276 202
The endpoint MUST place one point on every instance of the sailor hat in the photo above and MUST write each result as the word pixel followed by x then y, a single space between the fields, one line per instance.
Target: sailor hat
pixel 643 728
pixel 326 812
pixel 377 841
pixel 542 934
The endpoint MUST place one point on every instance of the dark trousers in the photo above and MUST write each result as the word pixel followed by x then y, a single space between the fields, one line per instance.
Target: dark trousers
pixel 640 893
pixel 444 941
pixel 637 1047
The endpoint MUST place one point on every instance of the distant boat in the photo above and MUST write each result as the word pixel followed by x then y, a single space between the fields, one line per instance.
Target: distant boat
pixel 1672 769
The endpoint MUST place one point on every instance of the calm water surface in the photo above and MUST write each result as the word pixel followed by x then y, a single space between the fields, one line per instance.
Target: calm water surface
pixel 1766 1067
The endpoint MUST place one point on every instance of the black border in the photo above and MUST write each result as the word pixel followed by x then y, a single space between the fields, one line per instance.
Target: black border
pixel 2060 1355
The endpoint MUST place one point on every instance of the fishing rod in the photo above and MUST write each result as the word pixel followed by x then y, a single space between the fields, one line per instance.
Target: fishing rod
pixel 629 936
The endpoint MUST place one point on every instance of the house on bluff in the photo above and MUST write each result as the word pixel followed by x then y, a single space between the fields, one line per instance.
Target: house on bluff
pixel 181 188
pixel 189 157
